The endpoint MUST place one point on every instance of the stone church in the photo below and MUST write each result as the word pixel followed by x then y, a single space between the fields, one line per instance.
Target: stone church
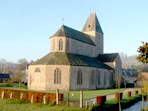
pixel 76 61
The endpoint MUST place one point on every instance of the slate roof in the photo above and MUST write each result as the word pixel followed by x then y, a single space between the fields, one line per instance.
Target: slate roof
pixel 107 57
pixel 74 34
pixel 92 24
pixel 62 58
pixel 4 75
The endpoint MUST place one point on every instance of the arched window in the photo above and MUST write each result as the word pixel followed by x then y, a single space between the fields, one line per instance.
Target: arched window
pixel 98 77
pixel 79 77
pixel 60 44
pixel 104 78
pixel 37 70
pixel 92 78
pixel 53 44
pixel 57 76
pixel 110 79
pixel 67 45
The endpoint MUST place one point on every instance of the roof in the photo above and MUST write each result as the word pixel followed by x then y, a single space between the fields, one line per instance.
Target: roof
pixel 4 75
pixel 62 58
pixel 92 24
pixel 107 57
pixel 143 76
pixel 74 34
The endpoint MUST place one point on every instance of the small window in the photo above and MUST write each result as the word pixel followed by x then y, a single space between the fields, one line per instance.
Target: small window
pixel 92 78
pixel 79 77
pixel 37 70
pixel 104 78
pixel 53 45
pixel 111 79
pixel 67 45
pixel 98 77
pixel 57 76
pixel 60 44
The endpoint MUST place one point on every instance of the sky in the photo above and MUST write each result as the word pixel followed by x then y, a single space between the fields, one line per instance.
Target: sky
pixel 27 25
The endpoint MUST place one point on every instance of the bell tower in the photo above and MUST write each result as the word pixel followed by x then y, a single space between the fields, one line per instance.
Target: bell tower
pixel 92 27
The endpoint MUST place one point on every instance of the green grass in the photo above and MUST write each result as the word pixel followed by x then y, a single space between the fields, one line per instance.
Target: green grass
pixel 18 105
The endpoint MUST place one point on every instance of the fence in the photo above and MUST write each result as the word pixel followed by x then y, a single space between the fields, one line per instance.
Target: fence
pixel 30 96
pixel 75 99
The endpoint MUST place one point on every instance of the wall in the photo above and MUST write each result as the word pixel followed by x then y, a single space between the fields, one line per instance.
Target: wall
pixel 36 80
pixel 86 81
pixel 64 77
pixel 45 79
pixel 98 39
pixel 72 46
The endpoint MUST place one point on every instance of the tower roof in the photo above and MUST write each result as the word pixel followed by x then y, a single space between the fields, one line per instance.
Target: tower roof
pixel 74 34
pixel 92 24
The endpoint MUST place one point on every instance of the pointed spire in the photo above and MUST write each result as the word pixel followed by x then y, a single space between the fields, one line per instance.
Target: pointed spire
pixel 92 24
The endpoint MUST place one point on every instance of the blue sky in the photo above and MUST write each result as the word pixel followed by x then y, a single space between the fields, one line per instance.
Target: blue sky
pixel 26 25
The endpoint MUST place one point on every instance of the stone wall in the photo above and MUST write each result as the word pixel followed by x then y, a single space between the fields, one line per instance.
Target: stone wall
pixel 98 39
pixel 44 80
pixel 72 46
pixel 37 80
pixel 118 66
pixel 77 47
pixel 86 78
pixel 64 77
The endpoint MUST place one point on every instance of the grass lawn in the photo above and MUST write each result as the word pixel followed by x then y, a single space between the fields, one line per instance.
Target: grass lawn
pixel 18 105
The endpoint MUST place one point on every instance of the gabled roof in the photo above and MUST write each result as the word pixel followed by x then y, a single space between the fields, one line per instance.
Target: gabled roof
pixel 92 24
pixel 62 58
pixel 4 75
pixel 74 34
pixel 107 57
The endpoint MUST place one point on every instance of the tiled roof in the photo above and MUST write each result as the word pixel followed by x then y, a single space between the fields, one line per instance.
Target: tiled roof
pixel 62 58
pixel 107 57
pixel 74 34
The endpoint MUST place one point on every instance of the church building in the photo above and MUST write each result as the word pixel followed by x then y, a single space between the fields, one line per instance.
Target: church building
pixel 76 61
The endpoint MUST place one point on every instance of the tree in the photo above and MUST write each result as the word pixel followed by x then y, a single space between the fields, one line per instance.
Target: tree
pixel 20 71
pixel 143 53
